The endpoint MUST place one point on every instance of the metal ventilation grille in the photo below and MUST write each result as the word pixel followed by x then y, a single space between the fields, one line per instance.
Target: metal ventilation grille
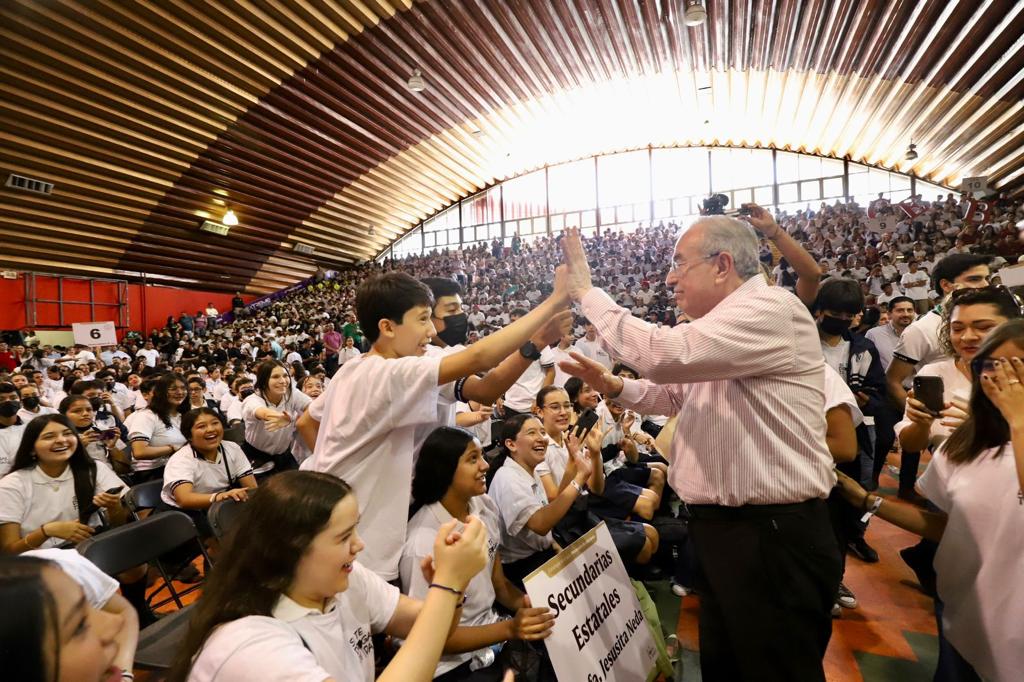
pixel 304 249
pixel 28 184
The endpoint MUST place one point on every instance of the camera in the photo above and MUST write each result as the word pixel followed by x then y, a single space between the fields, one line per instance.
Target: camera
pixel 715 204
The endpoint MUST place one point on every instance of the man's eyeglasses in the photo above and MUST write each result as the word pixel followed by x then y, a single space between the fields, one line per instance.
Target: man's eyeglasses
pixel 678 265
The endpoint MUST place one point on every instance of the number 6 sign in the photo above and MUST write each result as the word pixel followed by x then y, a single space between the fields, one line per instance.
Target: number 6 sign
pixel 95 333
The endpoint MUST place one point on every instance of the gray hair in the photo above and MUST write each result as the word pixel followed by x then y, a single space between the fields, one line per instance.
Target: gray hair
pixel 723 233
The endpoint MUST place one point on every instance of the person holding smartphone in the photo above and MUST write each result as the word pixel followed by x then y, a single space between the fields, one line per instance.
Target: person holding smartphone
pixel 100 442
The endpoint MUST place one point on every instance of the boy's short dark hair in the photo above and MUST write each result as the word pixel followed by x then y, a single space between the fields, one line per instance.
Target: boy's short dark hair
pixel 897 300
pixel 840 295
pixel 954 265
pixel 440 287
pixel 389 297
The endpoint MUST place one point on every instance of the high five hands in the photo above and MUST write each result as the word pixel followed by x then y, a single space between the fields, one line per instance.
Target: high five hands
pixel 577 268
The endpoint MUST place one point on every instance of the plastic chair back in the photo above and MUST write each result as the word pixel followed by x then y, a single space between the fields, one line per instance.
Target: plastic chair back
pixel 223 515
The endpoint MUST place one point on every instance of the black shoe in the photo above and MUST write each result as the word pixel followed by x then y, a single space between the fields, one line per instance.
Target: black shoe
pixel 922 569
pixel 863 551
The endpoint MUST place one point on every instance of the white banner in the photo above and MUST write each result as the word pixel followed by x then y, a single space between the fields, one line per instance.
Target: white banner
pixel 1012 275
pixel 600 633
pixel 95 333
pixel 879 225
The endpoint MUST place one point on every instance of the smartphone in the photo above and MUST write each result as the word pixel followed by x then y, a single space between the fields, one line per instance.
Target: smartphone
pixel 114 491
pixel 930 391
pixel 110 434
pixel 586 422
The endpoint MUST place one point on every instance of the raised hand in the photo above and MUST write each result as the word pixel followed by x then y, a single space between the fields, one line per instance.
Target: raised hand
pixel 458 562
pixel 553 330
pixel 1004 386
pixel 762 221
pixel 917 412
pixel 593 373
pixel 275 421
pixel 579 282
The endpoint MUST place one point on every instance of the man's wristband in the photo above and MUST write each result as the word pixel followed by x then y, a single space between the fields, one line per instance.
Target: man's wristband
pixel 868 513
pixel 576 485
pixel 458 593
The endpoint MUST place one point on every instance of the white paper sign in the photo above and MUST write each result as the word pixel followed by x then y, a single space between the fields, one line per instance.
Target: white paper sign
pixel 978 185
pixel 600 633
pixel 95 333
pixel 1012 275
pixel 879 225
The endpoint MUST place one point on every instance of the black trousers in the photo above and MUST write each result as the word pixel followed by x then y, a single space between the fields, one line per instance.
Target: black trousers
pixel 767 582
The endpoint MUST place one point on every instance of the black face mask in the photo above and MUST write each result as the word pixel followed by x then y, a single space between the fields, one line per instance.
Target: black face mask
pixel 97 403
pixel 31 402
pixel 9 408
pixel 834 326
pixel 456 328
pixel 246 392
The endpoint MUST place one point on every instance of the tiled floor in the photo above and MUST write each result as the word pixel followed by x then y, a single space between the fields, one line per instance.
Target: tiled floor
pixel 890 637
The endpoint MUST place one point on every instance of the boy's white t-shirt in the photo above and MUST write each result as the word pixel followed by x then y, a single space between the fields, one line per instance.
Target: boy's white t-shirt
pixel 205 476
pixel 298 644
pixel 369 417
pixel 980 560
pixel 479 606
pixel 30 498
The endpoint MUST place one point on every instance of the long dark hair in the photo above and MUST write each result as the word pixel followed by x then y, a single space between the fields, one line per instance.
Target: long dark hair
pixel 83 468
pixel 263 373
pixel 160 402
pixel 985 426
pixel 509 431
pixel 258 561
pixel 28 621
pixel 438 459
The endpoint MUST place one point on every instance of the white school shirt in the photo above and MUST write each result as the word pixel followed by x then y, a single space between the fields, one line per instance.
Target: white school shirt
pixel 30 498
pixel 919 344
pixel 593 350
pixel 980 561
pixel 954 385
pixel 145 426
pixel 298 644
pixel 447 403
pixel 521 395
pixel 479 606
pixel 482 431
pixel 10 439
pixel 368 418
pixel 837 393
pixel 97 586
pixel 140 401
pixel 518 495
pixel 256 434
pixel 558 355
pixel 226 401
pixel 916 285
pixel 26 416
pixel 205 476
pixel 151 356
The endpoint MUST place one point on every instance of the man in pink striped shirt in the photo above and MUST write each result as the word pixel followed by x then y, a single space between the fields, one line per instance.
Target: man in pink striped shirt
pixel 749 457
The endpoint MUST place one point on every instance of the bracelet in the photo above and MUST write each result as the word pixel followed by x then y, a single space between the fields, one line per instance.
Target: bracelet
pixel 463 596
pixel 868 513
pixel 46 536
pixel 576 485
pixel 127 675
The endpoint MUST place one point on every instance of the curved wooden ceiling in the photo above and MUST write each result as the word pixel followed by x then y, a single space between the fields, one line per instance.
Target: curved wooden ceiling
pixel 149 116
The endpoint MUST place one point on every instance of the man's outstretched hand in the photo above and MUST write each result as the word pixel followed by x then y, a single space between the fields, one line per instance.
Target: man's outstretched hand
pixel 576 260
pixel 593 374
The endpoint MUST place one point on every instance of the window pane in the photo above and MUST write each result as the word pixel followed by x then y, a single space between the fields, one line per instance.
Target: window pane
pixel 810 191
pixel 524 196
pixel 482 208
pixel 495 230
pixel 540 225
pixel 572 185
pixel 763 196
pixel 831 167
pixel 607 216
pixel 739 168
pixel 642 211
pixel 623 214
pixel 787 193
pixel 680 172
pixel 623 178
pixel 428 239
pixel 453 236
pixel 557 223
pixel 662 208
pixel 587 219
pixel 810 166
pixel 787 166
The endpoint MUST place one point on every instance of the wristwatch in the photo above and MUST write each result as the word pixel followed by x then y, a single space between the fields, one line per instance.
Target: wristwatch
pixel 529 351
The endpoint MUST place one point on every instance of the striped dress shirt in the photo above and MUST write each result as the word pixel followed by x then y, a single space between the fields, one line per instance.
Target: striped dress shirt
pixel 747 381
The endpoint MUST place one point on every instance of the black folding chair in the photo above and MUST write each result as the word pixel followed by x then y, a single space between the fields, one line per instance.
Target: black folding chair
pixel 142 542
pixel 223 515
pixel 235 434
pixel 143 496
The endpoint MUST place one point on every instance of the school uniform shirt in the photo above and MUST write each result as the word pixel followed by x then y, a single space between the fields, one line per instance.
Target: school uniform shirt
pixel 518 495
pixel 97 586
pixel 954 385
pixel 916 285
pixel 10 439
pixel 151 356
pixel 123 397
pixel 216 389
pixel 256 434
pixel 919 344
pixel 482 431
pixel 30 498
pixel 837 393
pixel 140 401
pixel 523 393
pixel 299 644
pixel 206 477
pixel 558 356
pixel 369 417
pixel 479 607
pixel 594 350
pixel 145 426
pixel 979 564
pixel 346 354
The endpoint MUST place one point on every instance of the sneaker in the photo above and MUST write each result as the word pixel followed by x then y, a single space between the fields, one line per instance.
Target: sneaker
pixel 679 590
pixel 863 551
pixel 837 611
pixel 846 598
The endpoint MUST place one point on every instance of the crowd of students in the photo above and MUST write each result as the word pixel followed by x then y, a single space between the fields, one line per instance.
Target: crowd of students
pixel 426 406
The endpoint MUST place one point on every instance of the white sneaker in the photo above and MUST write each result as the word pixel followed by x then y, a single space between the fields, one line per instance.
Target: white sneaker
pixel 679 590
pixel 846 599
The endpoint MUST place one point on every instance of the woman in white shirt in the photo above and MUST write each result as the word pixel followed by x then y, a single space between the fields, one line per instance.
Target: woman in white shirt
pixel 450 483
pixel 291 602
pixel 527 517
pixel 102 445
pixel 969 318
pixel 976 479
pixel 154 433
pixel 207 469
pixel 269 415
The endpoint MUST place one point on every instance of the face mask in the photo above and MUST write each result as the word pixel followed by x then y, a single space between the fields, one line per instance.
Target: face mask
pixel 31 402
pixel 9 408
pixel 97 403
pixel 246 392
pixel 834 326
pixel 456 328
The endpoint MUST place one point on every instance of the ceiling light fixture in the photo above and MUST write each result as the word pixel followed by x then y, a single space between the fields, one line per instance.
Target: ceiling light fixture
pixel 695 14
pixel 230 218
pixel 416 82
pixel 911 151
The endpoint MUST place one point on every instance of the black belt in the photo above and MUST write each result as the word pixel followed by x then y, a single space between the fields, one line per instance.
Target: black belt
pixel 717 512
